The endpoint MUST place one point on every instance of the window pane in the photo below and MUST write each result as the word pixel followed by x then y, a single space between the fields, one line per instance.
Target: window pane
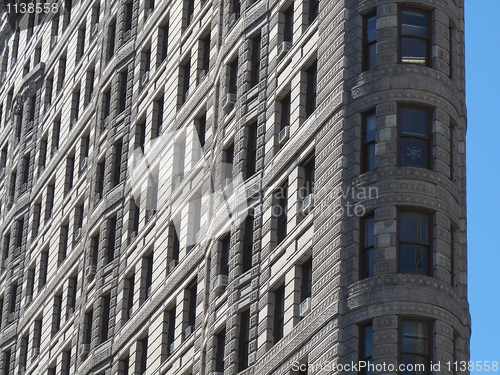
pixel 371 56
pixel 414 23
pixel 368 262
pixel 414 152
pixel 414 227
pixel 370 157
pixel 413 258
pixel 369 223
pixel 415 122
pixel 413 50
pixel 368 341
pixel 371 29
pixel 417 364
pixel 415 338
pixel 370 127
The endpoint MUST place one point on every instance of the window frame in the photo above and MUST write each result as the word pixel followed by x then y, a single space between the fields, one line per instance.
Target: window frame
pixel 364 143
pixel 430 138
pixel 402 8
pixel 430 340
pixel 366 44
pixel 430 247
pixel 361 350
pixel 362 248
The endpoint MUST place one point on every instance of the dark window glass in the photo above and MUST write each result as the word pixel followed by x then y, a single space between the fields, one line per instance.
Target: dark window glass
pixel 279 314
pixel 415 137
pixel 306 284
pixel 224 255
pixel 244 340
pixel 414 37
pixel 105 317
pixel 313 10
pixel 366 347
pixel 415 343
pixel 370 60
pixel 414 245
pixel 311 90
pixel 255 73
pixel 369 134
pixel 220 351
pixel 367 251
pixel 233 77
pixel 288 24
pixel 285 111
pixel 251 161
pixel 281 213
pixel 248 243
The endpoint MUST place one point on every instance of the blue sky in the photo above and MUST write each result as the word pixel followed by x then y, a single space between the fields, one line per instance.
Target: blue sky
pixel 482 29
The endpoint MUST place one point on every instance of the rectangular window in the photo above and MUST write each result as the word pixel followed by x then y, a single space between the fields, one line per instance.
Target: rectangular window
pixel 306 282
pixel 220 349
pixel 111 40
pixel 143 358
pixel 94 247
pixel 415 346
pixel 414 242
pixel 233 77
pixel 251 159
pixel 367 247
pixel 279 314
pixel 285 111
pixel 100 180
pixel 243 340
pixel 189 11
pixel 80 47
pixel 206 54
pixel 149 274
pixel 313 10
pixel 192 305
pixel 70 169
pixel 288 24
pixel 414 37
pixel 129 294
pixel 248 243
pixel 127 11
pixel 7 356
pixel 75 108
pixel 72 289
pixel 370 42
pixel 44 263
pixel 201 128
pixel 13 298
pixel 106 306
pixel 117 163
pixel 185 73
pixel 225 247
pixel 256 55
pixel 311 89
pixel 49 87
pixel 369 136
pixel 56 314
pixel 228 160
pixel 89 316
pixel 163 41
pixel 123 92
pixel 366 347
pixel 63 244
pixel 170 321
pixel 158 106
pixel 415 137
pixel 49 202
pixel 280 211
pixel 111 238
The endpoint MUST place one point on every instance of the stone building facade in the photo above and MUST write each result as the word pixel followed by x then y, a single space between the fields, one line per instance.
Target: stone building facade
pixel 129 129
